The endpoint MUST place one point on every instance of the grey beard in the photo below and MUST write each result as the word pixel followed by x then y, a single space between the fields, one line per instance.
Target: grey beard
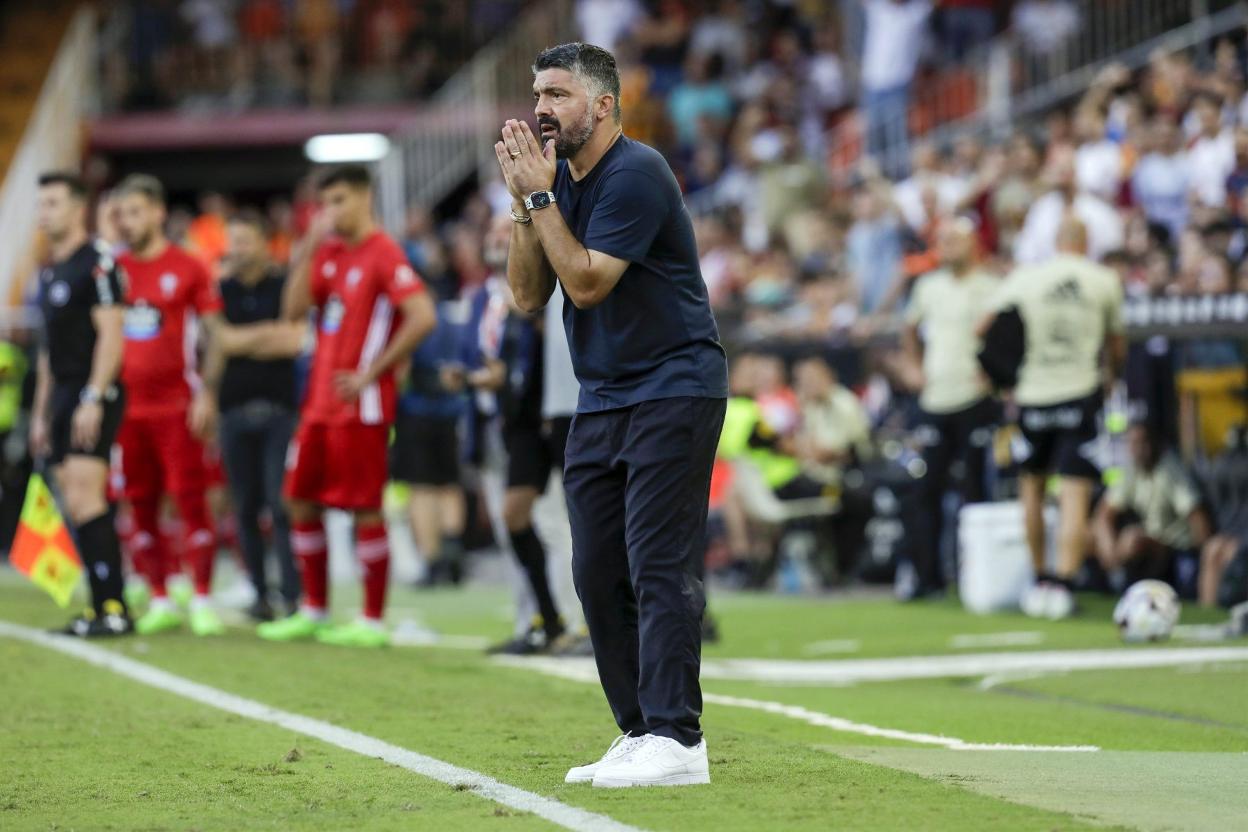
pixel 570 141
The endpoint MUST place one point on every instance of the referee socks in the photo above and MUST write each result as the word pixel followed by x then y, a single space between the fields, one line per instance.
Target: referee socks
pixel 101 554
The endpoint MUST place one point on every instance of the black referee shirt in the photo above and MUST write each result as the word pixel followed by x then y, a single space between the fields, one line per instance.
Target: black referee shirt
pixel 248 379
pixel 68 291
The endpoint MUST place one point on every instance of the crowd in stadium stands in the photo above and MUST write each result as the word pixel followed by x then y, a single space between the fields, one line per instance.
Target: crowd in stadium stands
pixel 236 54
pixel 810 263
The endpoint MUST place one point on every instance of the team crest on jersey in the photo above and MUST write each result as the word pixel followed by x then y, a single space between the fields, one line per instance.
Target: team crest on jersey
pixel 142 322
pixel 403 275
pixel 353 276
pixel 331 315
pixel 58 293
pixel 168 284
pixel 329 269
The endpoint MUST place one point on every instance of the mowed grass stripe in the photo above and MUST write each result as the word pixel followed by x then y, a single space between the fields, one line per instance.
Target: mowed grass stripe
pixel 522 728
pixel 569 817
pixel 84 749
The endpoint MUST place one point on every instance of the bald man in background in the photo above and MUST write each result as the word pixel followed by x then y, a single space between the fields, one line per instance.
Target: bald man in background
pixel 939 347
pixel 1071 309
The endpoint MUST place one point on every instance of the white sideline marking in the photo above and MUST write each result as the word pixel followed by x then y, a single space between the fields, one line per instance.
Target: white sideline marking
pixel 846 671
pixel 561 814
pixel 837 723
pixel 1024 638
pixel 836 645
pixel 577 671
pixel 850 671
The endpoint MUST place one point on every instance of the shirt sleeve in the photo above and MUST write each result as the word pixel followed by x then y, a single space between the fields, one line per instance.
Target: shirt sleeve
pixel 207 299
pixel 632 206
pixel 1113 308
pixel 109 282
pixel 1007 294
pixel 1183 492
pixel 914 308
pixel 398 279
pixel 1118 495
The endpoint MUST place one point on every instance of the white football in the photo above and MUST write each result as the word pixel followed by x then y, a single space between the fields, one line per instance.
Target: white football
pixel 1147 611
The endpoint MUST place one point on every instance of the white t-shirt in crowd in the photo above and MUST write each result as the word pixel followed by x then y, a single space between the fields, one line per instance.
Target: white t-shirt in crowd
pixel 604 22
pixel 893 41
pixel 1161 184
pixel 1098 169
pixel 1045 26
pixel 1037 240
pixel 1210 161
pixel 560 389
pixel 908 195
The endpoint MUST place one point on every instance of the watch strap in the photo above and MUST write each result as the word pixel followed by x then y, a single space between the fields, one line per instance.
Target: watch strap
pixel 528 200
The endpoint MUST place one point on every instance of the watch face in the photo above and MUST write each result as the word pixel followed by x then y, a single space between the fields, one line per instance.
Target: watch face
pixel 541 199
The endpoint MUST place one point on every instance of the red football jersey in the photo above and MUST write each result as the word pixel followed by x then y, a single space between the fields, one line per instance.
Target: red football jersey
pixel 356 290
pixel 166 296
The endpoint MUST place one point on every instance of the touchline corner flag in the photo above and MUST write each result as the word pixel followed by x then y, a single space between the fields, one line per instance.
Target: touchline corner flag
pixel 42 548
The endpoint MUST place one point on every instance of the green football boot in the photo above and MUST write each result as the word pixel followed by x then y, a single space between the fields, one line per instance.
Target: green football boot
pixel 158 619
pixel 206 622
pixel 355 634
pixel 297 627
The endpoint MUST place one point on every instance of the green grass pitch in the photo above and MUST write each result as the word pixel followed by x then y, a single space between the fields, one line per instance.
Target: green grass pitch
pixel 82 748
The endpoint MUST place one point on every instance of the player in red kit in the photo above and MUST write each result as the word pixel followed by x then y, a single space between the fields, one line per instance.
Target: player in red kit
pixel 372 311
pixel 160 446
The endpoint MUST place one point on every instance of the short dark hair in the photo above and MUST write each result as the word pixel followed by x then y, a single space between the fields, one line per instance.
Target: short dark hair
pixel 143 184
pixel 355 176
pixel 251 218
pixel 72 181
pixel 592 65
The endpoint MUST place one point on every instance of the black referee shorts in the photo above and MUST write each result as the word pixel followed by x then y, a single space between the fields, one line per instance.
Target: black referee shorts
pixel 425 450
pixel 1060 438
pixel 528 456
pixel 63 403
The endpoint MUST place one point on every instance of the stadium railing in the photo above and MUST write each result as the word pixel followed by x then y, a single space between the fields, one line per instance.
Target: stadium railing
pixel 454 137
pixel 998 87
pixel 52 138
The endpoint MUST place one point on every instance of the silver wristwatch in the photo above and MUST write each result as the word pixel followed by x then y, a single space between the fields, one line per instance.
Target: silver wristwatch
pixel 539 199
pixel 90 395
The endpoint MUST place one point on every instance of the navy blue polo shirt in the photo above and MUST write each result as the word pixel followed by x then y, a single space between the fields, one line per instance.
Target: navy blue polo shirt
pixel 654 336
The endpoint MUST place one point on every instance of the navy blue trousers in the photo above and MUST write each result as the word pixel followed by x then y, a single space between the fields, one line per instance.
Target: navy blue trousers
pixel 638 481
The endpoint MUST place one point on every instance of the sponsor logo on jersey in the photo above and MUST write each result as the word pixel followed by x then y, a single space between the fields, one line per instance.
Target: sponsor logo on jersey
pixel 331 315
pixel 142 322
pixel 168 284
pixel 58 293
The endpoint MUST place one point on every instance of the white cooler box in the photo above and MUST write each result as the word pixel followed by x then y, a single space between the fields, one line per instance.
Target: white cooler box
pixel 994 566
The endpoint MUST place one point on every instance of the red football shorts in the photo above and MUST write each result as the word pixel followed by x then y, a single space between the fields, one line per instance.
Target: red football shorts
pixel 157 455
pixel 340 466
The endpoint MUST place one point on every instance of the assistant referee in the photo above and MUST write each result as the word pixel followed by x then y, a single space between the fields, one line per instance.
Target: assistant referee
pixel 78 399
pixel 601 215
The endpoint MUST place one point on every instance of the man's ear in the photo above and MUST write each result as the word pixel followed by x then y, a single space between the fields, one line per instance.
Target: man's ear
pixel 605 106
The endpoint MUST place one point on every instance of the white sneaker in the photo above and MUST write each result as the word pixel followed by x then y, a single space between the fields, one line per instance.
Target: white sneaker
pixel 623 744
pixel 658 761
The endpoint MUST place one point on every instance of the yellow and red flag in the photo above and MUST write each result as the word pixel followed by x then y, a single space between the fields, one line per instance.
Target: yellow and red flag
pixel 42 548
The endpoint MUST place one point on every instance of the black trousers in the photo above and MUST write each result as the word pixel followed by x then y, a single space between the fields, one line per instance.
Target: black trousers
pixel 962 436
pixel 254 438
pixel 638 482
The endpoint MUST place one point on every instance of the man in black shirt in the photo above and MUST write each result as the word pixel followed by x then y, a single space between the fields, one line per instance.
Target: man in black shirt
pixel 78 399
pixel 600 217
pixel 251 367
